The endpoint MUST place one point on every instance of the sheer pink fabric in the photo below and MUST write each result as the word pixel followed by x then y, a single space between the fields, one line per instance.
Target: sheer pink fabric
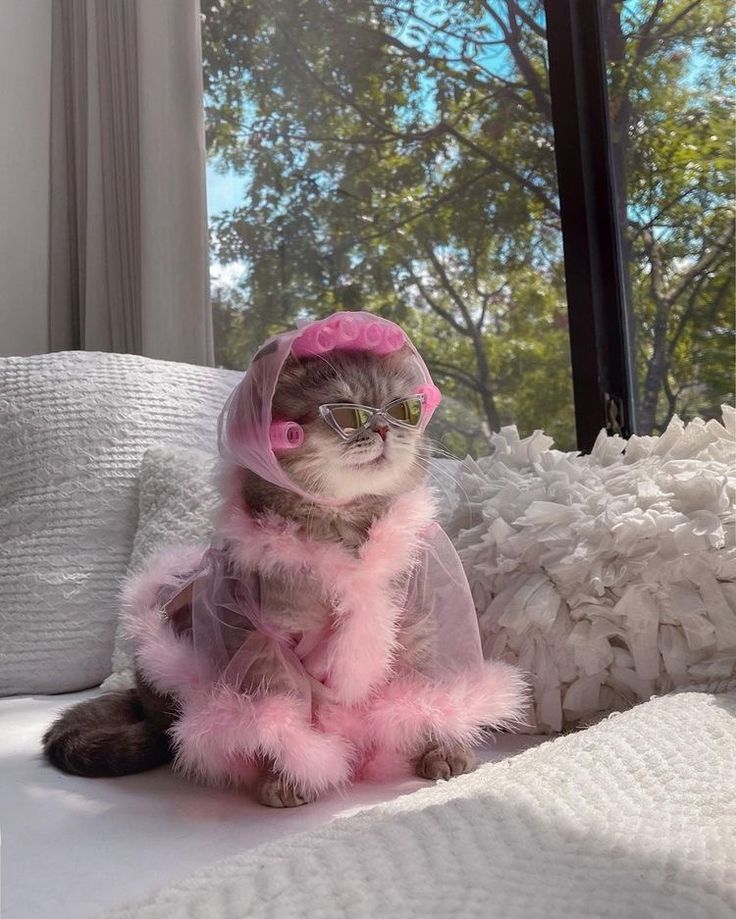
pixel 245 423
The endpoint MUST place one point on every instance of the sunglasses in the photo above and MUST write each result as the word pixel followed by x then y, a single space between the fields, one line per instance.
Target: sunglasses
pixel 351 420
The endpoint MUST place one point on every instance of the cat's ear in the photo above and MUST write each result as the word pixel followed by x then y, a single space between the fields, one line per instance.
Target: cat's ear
pixel 292 371
pixel 265 351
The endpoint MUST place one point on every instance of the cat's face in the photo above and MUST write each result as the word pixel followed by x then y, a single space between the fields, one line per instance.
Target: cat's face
pixel 387 460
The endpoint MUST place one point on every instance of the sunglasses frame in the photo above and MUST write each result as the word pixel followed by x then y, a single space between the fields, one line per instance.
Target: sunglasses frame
pixel 326 414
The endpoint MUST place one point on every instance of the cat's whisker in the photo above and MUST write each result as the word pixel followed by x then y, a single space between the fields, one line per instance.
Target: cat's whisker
pixel 438 452
pixel 454 488
pixel 444 489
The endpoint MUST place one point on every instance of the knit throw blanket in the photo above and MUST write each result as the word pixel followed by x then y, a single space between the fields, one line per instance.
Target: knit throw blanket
pixel 609 577
pixel 631 818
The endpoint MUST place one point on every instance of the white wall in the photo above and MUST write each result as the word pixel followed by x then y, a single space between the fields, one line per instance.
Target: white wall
pixel 25 67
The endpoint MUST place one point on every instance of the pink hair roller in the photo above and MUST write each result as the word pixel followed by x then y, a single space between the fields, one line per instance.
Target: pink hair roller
pixel 432 397
pixel 349 333
pixel 317 339
pixel 325 339
pixel 371 336
pixel 393 339
pixel 286 435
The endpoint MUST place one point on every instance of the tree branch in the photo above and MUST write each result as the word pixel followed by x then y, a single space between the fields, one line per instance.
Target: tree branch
pixel 435 306
pixel 512 37
pixel 667 26
pixel 702 264
pixel 456 373
pixel 481 358
pixel 506 170
pixel 528 20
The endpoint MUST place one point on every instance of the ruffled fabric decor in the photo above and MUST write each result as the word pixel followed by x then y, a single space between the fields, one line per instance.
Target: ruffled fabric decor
pixel 609 577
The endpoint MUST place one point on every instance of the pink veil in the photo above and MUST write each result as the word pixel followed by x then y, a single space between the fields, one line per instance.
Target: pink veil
pixel 245 423
pixel 419 669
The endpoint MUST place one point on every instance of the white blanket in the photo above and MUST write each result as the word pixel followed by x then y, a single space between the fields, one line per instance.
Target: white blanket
pixel 635 817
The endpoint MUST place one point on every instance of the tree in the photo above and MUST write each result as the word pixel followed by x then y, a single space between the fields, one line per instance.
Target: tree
pixel 673 145
pixel 397 156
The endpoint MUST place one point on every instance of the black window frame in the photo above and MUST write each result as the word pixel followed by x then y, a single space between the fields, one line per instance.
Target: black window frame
pixel 595 274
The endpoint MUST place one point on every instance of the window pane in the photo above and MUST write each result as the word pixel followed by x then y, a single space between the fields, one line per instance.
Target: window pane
pixel 671 103
pixel 394 156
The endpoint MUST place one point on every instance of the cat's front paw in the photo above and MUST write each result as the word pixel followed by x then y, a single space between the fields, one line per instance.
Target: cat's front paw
pixel 445 762
pixel 273 790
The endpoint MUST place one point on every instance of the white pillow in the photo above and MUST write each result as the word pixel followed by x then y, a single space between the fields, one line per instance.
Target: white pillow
pixel 609 577
pixel 177 502
pixel 73 429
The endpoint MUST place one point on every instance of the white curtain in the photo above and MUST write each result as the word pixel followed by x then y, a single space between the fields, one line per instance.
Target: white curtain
pixel 128 265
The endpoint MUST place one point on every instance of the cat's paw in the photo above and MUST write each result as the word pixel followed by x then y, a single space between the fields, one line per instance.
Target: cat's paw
pixel 445 762
pixel 274 791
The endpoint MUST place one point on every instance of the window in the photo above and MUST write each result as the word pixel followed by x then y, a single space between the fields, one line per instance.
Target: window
pixel 399 156
pixel 394 156
pixel 672 131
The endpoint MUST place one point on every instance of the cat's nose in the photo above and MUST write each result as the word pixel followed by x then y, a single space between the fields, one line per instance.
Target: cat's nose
pixel 382 429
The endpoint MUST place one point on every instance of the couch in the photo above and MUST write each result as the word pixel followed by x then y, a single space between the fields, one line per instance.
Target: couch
pixel 100 460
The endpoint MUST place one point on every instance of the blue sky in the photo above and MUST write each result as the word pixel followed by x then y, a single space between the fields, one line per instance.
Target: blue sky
pixel 224 190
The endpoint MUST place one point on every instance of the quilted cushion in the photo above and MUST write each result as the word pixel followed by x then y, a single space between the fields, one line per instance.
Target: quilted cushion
pixel 74 427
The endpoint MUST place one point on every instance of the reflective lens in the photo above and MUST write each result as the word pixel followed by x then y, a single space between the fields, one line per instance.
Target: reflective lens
pixel 407 411
pixel 350 417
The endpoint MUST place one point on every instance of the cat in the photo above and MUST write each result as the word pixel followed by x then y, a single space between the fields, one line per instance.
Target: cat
pixel 123 733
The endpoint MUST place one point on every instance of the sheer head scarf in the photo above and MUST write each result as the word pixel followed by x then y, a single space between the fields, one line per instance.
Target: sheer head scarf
pixel 247 430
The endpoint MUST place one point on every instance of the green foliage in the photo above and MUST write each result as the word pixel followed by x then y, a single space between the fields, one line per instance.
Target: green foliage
pixel 397 156
pixel 673 110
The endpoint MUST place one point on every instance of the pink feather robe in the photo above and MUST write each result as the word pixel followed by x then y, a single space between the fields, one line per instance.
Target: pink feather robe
pixel 389 663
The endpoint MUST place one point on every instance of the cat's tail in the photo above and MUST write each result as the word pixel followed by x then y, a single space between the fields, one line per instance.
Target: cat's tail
pixel 108 736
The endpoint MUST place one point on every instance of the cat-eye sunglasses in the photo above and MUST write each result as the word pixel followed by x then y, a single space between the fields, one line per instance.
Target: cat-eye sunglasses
pixel 349 421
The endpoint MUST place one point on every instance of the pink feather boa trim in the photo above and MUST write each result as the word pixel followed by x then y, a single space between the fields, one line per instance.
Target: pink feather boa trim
pixel 221 730
pixel 166 663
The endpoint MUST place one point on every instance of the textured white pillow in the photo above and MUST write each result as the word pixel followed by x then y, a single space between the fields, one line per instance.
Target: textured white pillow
pixel 177 502
pixel 609 577
pixel 73 429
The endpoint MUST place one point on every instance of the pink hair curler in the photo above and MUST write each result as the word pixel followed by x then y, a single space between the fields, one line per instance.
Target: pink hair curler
pixel 393 339
pixel 325 339
pixel 286 435
pixel 432 397
pixel 317 339
pixel 348 331
pixel 371 336
pixel 351 332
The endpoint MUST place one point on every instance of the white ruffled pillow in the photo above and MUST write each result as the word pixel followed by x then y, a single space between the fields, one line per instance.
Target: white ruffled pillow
pixel 73 429
pixel 609 577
